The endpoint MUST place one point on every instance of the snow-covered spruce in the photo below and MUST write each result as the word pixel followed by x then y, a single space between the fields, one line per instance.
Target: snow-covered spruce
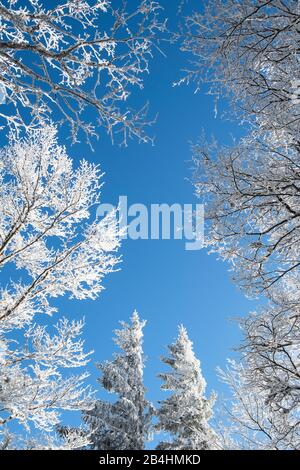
pixel 185 414
pixel 126 423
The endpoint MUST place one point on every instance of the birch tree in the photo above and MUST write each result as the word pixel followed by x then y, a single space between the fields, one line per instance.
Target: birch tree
pixel 184 416
pixel 75 57
pixel 126 423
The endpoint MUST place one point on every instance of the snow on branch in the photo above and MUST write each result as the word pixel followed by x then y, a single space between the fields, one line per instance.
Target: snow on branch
pixel 76 57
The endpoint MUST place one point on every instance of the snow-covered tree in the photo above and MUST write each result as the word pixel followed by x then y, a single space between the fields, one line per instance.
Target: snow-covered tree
pixel 248 50
pixel 75 56
pixel 266 383
pixel 49 247
pixel 252 205
pixel 184 416
pixel 34 385
pixel 252 194
pixel 255 422
pixel 252 190
pixel 271 346
pixel 71 439
pixel 126 423
pixel 46 231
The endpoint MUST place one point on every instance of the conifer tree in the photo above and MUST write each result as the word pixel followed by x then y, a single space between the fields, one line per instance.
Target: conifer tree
pixel 123 424
pixel 184 416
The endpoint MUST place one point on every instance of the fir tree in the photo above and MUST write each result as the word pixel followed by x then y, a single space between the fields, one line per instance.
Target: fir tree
pixel 184 415
pixel 124 424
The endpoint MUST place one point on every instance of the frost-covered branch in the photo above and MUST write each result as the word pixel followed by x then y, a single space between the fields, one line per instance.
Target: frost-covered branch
pixel 249 51
pixel 75 57
pixel 250 54
pixel 46 231
pixel 252 197
pixel 34 388
pixel 52 248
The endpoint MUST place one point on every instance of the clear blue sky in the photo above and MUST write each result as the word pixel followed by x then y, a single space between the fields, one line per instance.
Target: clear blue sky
pixel 165 283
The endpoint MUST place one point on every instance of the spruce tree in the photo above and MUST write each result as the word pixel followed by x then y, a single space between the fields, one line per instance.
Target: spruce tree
pixel 184 416
pixel 123 424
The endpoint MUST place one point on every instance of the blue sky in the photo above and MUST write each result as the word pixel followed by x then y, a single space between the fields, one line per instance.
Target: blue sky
pixel 165 283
